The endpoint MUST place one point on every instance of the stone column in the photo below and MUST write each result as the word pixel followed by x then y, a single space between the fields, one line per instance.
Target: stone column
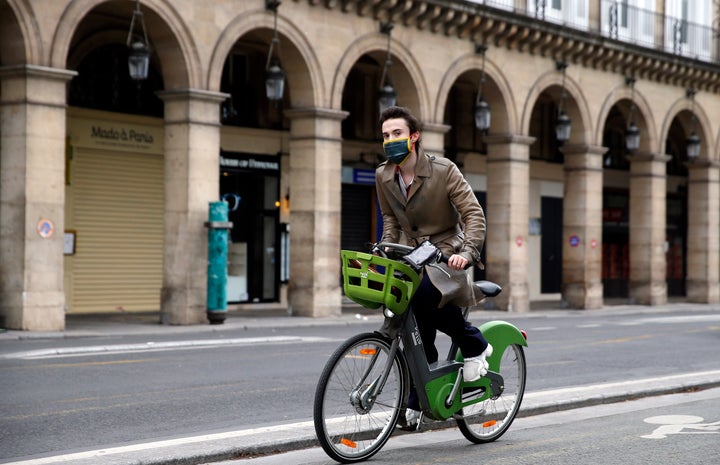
pixel 433 138
pixel 648 284
pixel 703 237
pixel 192 181
pixel 32 197
pixel 582 226
pixel 315 185
pixel 508 179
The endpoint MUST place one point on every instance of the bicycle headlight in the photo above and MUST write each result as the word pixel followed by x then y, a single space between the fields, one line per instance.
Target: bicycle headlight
pixel 388 313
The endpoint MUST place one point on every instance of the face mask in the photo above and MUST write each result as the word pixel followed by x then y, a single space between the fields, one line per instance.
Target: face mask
pixel 397 150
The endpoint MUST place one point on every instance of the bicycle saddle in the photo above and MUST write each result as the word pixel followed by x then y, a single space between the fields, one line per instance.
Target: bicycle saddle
pixel 488 288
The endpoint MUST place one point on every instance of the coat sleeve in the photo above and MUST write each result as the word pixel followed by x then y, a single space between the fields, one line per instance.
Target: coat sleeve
pixel 471 215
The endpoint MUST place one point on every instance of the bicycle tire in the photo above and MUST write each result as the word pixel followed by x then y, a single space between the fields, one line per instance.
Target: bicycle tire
pixel 487 420
pixel 351 429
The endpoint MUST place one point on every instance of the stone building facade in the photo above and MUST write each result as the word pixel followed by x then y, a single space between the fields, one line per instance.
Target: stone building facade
pixel 105 183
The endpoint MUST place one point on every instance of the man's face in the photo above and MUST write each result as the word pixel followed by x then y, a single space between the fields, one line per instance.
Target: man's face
pixel 395 128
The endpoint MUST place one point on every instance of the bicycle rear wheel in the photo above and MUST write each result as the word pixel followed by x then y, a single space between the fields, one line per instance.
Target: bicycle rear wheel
pixel 350 425
pixel 488 420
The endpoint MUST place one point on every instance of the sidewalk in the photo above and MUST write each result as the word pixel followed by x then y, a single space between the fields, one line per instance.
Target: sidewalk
pixel 128 323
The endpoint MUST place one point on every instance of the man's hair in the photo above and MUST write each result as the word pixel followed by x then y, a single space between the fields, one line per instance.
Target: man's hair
pixel 401 112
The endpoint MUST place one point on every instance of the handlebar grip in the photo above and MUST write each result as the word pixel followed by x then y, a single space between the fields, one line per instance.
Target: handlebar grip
pixel 444 258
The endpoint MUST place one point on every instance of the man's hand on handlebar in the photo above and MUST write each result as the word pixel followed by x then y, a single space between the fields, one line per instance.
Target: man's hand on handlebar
pixel 457 262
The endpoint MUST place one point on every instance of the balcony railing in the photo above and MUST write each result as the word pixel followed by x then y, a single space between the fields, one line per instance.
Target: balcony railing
pixel 626 23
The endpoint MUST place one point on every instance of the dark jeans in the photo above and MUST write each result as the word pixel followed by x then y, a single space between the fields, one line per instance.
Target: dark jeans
pixel 449 320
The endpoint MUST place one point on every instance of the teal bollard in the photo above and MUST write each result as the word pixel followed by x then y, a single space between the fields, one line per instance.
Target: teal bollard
pixel 218 226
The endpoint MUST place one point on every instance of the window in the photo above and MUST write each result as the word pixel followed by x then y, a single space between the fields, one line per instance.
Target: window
pixel 573 14
pixel 688 28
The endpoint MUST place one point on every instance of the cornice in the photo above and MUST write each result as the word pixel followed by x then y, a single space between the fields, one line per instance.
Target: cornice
pixel 515 31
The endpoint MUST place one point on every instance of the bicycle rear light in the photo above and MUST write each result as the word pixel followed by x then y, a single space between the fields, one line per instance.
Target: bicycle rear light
pixel 524 333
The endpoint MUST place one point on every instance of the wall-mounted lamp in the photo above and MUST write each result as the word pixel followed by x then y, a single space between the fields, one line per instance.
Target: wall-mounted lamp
pixel 482 109
pixel 693 142
pixel 632 133
pixel 388 96
pixel 564 125
pixel 274 75
pixel 139 47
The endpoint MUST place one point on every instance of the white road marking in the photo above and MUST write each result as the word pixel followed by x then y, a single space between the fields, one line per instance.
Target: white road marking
pixel 158 346
pixel 158 444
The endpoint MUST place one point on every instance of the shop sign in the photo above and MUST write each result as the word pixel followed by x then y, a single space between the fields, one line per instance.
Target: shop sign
pixel 249 162
pixel 116 135
pixel 364 177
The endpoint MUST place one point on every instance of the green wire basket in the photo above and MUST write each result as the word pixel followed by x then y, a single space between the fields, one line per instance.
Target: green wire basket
pixel 374 281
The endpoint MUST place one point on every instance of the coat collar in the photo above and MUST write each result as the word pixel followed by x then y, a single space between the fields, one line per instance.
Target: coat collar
pixel 422 171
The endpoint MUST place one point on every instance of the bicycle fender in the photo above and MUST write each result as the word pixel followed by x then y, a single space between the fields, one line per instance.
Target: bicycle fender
pixel 502 334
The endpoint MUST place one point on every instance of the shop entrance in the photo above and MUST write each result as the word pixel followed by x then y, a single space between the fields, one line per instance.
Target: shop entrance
pixel 254 250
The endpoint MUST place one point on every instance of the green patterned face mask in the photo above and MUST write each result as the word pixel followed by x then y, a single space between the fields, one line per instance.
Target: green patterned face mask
pixel 397 150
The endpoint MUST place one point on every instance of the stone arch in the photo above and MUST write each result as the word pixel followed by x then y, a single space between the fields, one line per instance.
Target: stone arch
pixel 405 69
pixel 170 36
pixel 497 79
pixel 299 59
pixel 650 142
pixel 576 105
pixel 19 34
pixel 682 108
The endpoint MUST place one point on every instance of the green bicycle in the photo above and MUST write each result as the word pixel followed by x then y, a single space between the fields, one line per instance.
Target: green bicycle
pixel 366 382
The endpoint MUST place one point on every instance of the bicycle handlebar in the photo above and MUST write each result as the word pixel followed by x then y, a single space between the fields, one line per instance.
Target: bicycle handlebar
pixel 400 250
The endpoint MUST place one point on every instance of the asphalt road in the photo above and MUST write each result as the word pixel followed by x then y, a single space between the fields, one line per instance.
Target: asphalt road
pixel 68 395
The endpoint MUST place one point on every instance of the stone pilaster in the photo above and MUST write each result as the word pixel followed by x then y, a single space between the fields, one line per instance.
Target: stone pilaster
pixel 315 184
pixel 433 138
pixel 703 238
pixel 508 179
pixel 648 285
pixel 582 227
pixel 32 197
pixel 192 181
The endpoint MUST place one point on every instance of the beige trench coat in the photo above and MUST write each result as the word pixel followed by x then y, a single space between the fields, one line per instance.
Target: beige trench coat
pixel 442 208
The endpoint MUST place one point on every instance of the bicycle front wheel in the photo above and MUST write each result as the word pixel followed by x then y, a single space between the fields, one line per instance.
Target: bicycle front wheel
pixel 352 424
pixel 488 420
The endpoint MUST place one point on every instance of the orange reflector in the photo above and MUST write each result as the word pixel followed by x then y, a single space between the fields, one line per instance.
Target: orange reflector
pixel 368 351
pixel 490 423
pixel 349 443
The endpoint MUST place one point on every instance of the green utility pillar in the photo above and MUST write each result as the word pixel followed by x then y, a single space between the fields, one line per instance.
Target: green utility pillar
pixel 218 226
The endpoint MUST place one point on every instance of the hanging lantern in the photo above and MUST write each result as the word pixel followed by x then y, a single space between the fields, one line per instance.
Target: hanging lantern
pixel 139 48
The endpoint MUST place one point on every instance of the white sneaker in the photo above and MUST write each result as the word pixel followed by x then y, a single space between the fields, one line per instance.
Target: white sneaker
pixel 477 367
pixel 410 421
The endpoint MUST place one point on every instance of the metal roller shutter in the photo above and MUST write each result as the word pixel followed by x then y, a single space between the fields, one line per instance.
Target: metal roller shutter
pixel 118 216
pixel 357 216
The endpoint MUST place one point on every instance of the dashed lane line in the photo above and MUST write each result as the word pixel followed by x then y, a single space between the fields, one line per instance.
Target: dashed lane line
pixel 157 346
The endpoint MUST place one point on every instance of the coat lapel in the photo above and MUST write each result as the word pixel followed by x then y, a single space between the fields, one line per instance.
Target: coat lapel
pixel 422 173
pixel 388 178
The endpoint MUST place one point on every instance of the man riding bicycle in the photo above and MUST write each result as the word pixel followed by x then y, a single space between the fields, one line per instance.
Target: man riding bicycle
pixel 424 197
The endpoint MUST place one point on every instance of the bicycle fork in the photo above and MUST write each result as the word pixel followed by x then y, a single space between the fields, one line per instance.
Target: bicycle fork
pixel 364 395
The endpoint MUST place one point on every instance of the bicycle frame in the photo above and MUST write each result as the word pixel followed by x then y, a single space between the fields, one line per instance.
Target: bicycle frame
pixel 439 385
